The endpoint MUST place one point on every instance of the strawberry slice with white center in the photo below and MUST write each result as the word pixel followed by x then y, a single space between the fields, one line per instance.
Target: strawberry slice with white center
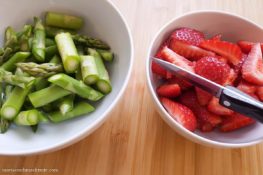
pixel 180 113
pixel 218 109
pixel 252 69
pixel 226 49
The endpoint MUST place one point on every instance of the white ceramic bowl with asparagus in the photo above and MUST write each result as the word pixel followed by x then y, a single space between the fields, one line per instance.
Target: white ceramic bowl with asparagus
pixel 56 75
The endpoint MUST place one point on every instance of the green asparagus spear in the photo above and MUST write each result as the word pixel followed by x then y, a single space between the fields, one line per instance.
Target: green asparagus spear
pixel 47 95
pixel 66 104
pixel 51 51
pixel 89 70
pixel 89 42
pixel 10 38
pixel 53 31
pixel 23 37
pixel 13 104
pixel 8 91
pixel 10 65
pixel 106 54
pixel 38 47
pixel 68 52
pixel 27 118
pixel 50 42
pixel 103 84
pixel 63 20
pixel 40 70
pixel 4 125
pixel 8 77
pixel 80 108
pixel 55 59
pixel 40 83
pixel 75 86
pixel 6 53
pixel 27 30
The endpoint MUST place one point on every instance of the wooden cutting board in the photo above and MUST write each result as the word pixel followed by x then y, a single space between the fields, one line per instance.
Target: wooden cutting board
pixel 134 140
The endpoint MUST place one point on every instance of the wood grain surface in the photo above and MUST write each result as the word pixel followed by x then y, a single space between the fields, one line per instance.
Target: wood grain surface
pixel 135 140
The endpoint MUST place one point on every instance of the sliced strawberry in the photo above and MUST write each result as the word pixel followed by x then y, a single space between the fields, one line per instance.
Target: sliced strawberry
pixel 184 85
pixel 252 69
pixel 226 49
pixel 189 51
pixel 260 93
pixel 247 45
pixel 238 67
pixel 169 90
pixel 218 109
pixel 188 35
pixel 204 117
pixel 172 57
pixel 247 87
pixel 231 78
pixel 180 113
pixel 157 69
pixel 203 97
pixel 222 59
pixel 158 54
pixel 235 122
pixel 217 37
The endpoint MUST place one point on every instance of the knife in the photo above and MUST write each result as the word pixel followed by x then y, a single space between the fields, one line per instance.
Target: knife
pixel 229 96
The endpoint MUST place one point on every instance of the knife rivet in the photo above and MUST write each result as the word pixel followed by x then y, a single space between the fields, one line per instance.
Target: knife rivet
pixel 226 103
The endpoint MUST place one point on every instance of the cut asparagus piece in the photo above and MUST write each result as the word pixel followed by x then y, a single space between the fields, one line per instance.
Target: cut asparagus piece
pixel 51 51
pixel 8 77
pixel 41 83
pixel 10 38
pixel 27 118
pixel 89 70
pixel 47 95
pixel 8 91
pixel 63 20
pixel 89 42
pixel 6 53
pixel 10 65
pixel 50 42
pixel 38 47
pixel 106 54
pixel 4 125
pixel 66 104
pixel 103 84
pixel 13 104
pixel 40 70
pixel 80 108
pixel 55 59
pixel 75 86
pixel 53 31
pixel 23 37
pixel 68 52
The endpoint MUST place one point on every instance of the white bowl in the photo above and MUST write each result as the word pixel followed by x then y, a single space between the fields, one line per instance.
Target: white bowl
pixel 232 28
pixel 102 20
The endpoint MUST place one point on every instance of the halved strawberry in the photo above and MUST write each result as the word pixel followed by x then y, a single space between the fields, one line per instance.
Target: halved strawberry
pixel 205 118
pixel 232 76
pixel 235 122
pixel 252 69
pixel 247 45
pixel 169 90
pixel 247 87
pixel 184 85
pixel 238 67
pixel 203 97
pixel 260 92
pixel 188 35
pixel 188 51
pixel 172 57
pixel 158 53
pixel 226 49
pixel 218 109
pixel 157 69
pixel 180 113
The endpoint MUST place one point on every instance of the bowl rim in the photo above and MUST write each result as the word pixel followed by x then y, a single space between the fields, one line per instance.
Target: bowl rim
pixel 98 122
pixel 164 114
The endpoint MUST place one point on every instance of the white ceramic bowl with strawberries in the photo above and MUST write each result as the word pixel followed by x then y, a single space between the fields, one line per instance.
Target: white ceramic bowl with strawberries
pixel 217 56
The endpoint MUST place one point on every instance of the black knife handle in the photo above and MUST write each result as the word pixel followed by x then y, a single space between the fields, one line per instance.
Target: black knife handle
pixel 242 103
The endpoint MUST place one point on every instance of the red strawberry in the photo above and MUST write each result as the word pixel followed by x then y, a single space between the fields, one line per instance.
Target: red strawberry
pixel 216 108
pixel 184 85
pixel 231 78
pixel 205 118
pixel 235 122
pixel 217 37
pixel 260 93
pixel 247 87
pixel 188 51
pixel 172 57
pixel 180 113
pixel 252 69
pixel 157 69
pixel 158 54
pixel 203 96
pixel 226 49
pixel 187 35
pixel 169 90
pixel 247 45
pixel 238 67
